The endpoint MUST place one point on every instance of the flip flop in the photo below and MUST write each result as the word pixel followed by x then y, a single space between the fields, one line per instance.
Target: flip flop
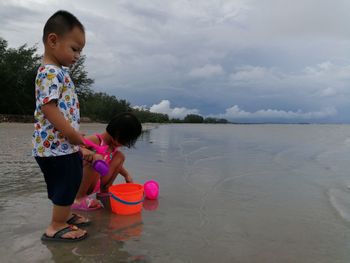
pixel 58 235
pixel 75 218
pixel 85 205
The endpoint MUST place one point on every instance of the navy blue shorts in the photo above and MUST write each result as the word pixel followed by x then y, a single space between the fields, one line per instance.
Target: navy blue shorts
pixel 63 176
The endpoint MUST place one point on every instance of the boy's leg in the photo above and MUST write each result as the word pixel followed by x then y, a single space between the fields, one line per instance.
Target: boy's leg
pixel 60 215
pixel 63 177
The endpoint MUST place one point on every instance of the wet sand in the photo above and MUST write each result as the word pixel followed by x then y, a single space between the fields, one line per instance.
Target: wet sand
pixel 229 193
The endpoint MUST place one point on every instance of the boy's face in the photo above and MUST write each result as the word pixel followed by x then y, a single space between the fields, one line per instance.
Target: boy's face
pixel 66 49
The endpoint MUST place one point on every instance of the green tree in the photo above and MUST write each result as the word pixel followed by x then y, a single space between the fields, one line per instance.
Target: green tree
pixel 147 116
pixel 103 107
pixel 176 120
pixel 80 78
pixel 222 121
pixel 17 74
pixel 215 120
pixel 193 118
pixel 18 69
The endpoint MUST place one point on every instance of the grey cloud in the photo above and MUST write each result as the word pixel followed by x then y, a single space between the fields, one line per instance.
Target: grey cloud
pixel 209 55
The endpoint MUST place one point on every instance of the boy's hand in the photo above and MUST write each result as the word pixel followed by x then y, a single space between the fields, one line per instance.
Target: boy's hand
pixel 89 155
pixel 97 156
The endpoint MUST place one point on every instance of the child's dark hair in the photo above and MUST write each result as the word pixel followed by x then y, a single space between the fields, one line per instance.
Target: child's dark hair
pixel 60 23
pixel 125 128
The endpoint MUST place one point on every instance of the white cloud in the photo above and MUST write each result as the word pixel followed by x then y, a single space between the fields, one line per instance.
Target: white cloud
pixel 165 108
pixel 206 71
pixel 250 73
pixel 279 18
pixel 329 70
pixel 235 112
pixel 314 84
pixel 328 92
pixel 142 107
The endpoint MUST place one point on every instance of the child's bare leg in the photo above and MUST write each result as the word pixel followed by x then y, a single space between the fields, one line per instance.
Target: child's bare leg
pixel 88 182
pixel 60 215
pixel 87 185
pixel 116 165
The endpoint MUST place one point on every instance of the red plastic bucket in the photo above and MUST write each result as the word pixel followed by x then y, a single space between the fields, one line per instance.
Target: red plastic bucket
pixel 126 199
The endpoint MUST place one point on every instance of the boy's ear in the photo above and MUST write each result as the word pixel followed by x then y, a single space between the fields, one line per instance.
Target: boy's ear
pixel 52 40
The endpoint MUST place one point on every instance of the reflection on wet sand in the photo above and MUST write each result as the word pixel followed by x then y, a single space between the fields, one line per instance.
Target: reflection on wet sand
pixel 106 241
pixel 150 205
pixel 123 228
pixel 95 249
pixel 230 193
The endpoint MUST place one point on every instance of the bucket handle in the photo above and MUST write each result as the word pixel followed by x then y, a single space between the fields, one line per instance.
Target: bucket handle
pixel 125 202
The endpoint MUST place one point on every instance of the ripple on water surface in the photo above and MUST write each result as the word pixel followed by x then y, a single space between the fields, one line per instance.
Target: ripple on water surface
pixel 340 200
pixel 19 171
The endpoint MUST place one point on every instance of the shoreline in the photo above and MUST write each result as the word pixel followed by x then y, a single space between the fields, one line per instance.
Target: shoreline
pixel 20 118
pixel 14 118
pixel 147 126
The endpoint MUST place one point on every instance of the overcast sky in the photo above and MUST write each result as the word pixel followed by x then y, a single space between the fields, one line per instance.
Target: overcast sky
pixel 243 60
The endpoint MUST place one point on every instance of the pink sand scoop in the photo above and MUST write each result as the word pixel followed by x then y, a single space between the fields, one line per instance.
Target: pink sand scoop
pixel 151 189
pixel 101 167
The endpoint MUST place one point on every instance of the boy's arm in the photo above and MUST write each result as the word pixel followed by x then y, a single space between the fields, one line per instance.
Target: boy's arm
pixel 56 118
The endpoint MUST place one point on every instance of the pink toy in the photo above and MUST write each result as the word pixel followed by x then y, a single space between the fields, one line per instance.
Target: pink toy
pixel 99 166
pixel 151 189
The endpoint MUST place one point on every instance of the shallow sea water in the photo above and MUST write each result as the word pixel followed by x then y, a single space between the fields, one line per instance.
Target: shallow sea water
pixel 229 193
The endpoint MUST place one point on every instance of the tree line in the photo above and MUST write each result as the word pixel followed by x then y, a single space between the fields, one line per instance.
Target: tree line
pixel 18 68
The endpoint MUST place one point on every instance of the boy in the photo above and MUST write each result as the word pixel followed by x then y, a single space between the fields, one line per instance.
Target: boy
pixel 56 137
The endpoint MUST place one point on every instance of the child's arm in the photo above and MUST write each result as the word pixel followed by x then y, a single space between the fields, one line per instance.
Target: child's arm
pixel 55 117
pixel 126 175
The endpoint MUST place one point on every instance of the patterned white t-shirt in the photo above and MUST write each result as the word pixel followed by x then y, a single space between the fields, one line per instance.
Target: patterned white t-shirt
pixel 54 83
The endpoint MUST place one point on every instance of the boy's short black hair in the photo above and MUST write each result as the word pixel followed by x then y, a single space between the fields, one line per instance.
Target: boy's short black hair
pixel 60 23
pixel 125 128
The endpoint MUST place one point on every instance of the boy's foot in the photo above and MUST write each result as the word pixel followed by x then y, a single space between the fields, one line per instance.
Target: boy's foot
pixel 78 220
pixel 87 204
pixel 67 234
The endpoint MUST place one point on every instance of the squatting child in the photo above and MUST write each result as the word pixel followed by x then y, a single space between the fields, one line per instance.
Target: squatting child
pixel 122 130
